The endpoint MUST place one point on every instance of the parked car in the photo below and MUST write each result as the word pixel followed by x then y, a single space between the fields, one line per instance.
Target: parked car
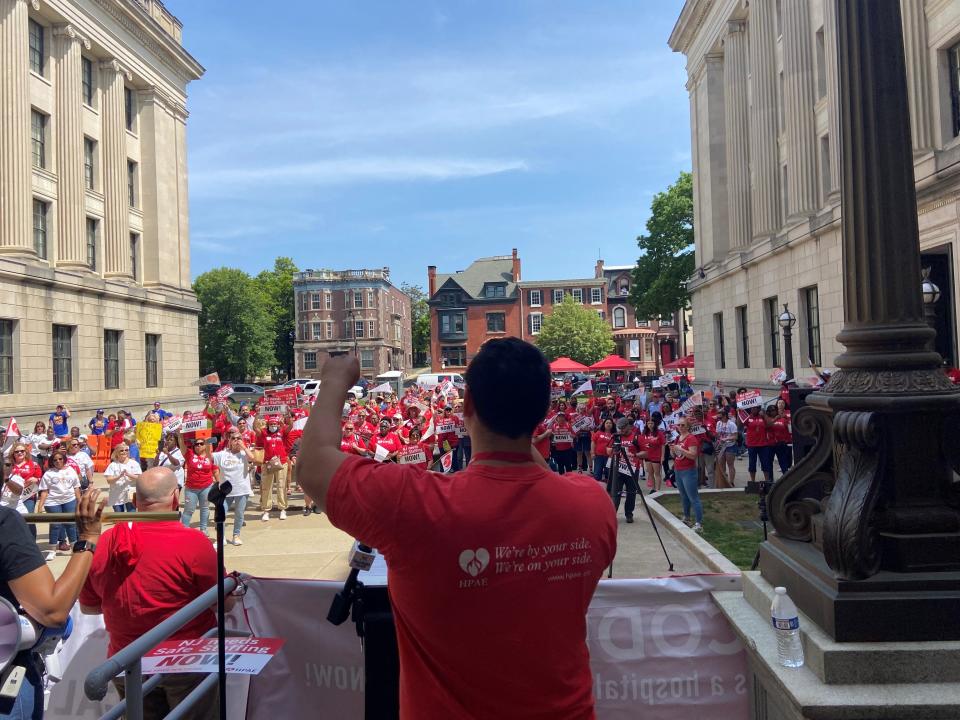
pixel 312 389
pixel 429 381
pixel 246 393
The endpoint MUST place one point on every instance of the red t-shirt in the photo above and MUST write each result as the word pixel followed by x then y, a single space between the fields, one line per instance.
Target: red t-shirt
pixel 199 470
pixel 450 437
pixel 683 462
pixel 453 554
pixel 561 428
pixel 601 442
pixel 352 445
pixel 408 454
pixel 542 446
pixel 273 446
pixel 141 577
pixel 389 442
pixel 781 430
pixel 653 444
pixel 755 430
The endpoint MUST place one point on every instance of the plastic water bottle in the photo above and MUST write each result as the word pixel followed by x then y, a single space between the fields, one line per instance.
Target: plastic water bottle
pixel 783 614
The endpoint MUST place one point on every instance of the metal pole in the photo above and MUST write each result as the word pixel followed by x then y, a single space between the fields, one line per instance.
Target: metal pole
pixel 788 352
pixel 133 690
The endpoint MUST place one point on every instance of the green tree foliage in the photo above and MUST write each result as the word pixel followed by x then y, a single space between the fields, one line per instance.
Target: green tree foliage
pixel 576 332
pixel 277 286
pixel 236 328
pixel 419 321
pixel 667 258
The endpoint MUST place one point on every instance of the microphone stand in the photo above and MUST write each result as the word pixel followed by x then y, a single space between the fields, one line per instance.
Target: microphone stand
pixel 218 496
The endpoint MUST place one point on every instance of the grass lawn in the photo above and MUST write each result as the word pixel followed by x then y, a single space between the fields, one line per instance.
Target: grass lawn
pixel 722 515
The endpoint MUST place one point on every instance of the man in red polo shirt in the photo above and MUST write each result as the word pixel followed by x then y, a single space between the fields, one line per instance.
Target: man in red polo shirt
pixel 492 568
pixel 142 573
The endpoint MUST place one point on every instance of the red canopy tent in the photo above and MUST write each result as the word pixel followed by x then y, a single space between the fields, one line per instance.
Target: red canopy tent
pixel 680 363
pixel 565 365
pixel 613 362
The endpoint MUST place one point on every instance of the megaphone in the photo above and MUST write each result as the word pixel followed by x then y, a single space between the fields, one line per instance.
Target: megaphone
pixel 19 632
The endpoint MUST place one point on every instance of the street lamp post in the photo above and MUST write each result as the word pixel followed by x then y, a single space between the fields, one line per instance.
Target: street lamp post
pixel 931 294
pixel 787 320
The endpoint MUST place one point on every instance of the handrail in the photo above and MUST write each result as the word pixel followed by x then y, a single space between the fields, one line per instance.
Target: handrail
pixel 97 680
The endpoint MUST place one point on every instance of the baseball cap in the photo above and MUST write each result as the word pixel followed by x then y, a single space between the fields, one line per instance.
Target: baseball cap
pixel 99 412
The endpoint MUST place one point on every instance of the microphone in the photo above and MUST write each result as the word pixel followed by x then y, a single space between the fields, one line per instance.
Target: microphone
pixel 360 558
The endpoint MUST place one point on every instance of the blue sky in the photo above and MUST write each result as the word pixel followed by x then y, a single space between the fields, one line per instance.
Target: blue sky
pixel 363 134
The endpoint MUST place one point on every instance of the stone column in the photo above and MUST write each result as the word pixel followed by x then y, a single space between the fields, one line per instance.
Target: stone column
pixel 798 101
pixel 15 161
pixel 71 245
pixel 116 235
pixel 765 166
pixel 738 133
pixel 917 55
pixel 833 90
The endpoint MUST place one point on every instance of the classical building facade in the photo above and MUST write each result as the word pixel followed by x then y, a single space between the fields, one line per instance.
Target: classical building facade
pixel 764 114
pixel 340 311
pixel 96 306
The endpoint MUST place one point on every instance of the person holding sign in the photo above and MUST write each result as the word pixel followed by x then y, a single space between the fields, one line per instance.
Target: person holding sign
pixel 653 441
pixel 601 448
pixel 23 483
pixel 685 450
pixel 385 444
pixel 563 452
pixel 447 437
pixel 273 470
pixel 351 443
pixel 417 452
pixel 202 473
pixel 726 431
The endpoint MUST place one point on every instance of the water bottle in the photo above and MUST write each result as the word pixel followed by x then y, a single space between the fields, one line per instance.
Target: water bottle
pixel 783 614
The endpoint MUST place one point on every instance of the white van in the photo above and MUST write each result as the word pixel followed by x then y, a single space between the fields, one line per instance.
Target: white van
pixel 429 381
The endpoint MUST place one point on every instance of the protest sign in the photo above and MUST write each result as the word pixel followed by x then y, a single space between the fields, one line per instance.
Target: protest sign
pixel 749 399
pixel 586 387
pixel 446 426
pixel 279 396
pixel 655 383
pixel 556 392
pixel 697 428
pixel 695 400
pixel 211 379
pixel 244 656
pixel 381 388
pixel 193 421
pixel 742 415
pixel 224 392
pixel 584 422
pixel 172 423
pixel 445 463
pixel 271 409
pixel 563 436
pixel 380 454
pixel 412 454
pixel 779 375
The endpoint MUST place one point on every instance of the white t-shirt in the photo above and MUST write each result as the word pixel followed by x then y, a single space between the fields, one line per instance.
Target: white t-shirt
pixel 120 490
pixel 86 464
pixel 728 428
pixel 15 500
pixel 35 440
pixel 60 485
pixel 236 468
pixel 163 460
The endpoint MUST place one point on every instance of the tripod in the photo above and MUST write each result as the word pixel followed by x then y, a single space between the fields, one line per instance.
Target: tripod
pixel 218 496
pixel 633 485
pixel 759 489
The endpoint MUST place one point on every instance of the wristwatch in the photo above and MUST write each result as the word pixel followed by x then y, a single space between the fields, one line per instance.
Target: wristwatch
pixel 84 545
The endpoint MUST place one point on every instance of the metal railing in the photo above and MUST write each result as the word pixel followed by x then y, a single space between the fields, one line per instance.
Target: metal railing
pixel 128 661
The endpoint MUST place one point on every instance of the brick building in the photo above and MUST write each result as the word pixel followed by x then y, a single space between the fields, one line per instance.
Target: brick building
pixel 339 311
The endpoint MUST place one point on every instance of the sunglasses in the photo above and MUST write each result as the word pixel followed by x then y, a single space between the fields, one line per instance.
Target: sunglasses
pixel 73 444
pixel 19 452
pixel 348 428
pixel 124 452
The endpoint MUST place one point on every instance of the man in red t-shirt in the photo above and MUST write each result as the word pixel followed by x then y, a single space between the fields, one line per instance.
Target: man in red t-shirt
pixel 273 471
pixel 756 430
pixel 478 636
pixel 142 573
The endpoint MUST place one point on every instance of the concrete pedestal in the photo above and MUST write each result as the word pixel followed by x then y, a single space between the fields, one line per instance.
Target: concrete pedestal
pixel 840 681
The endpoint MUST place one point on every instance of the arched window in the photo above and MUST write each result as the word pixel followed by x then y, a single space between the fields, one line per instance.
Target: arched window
pixel 619 317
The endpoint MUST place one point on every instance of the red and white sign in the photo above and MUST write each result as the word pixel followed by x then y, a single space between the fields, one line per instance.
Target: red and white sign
pixel 245 656
pixel 172 423
pixel 446 426
pixel 446 462
pixel 562 437
pixel 584 422
pixel 749 399
pixel 272 409
pixel 697 428
pixel 211 379
pixel 280 396
pixel 779 375
pixel 193 421
pixel 224 392
pixel 695 400
pixel 411 454
pixel 556 392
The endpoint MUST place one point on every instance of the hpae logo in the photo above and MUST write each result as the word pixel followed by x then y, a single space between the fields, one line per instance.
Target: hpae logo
pixel 474 562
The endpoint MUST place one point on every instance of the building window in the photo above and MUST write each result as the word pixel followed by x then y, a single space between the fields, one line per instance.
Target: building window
pixel 596 296
pixel 129 108
pixel 743 336
pixel 371 328
pixel 132 183
pixel 496 322
pixel 111 359
pixel 38 138
pixel 824 168
pixel 92 243
pixel 370 303
pixel 454 356
pixel 452 323
pixel 494 290
pixel 86 80
pixel 89 151
pixel 601 314
pixel 666 320
pixel 309 361
pixel 648 349
pixel 152 355
pixel 642 323
pixel 811 302
pixel 329 329
pixel 718 345
pixel 317 331
pixel 821 65
pixel 315 301
pixel 771 314
pixel 619 317
pixel 40 228
pixel 624 287
pixel 134 263
pixel 536 323
pixel 536 298
pixel 577 294
pixel 6 357
pixel 358 328
pixel 327 301
pixel 557 296
pixel 358 299
pixel 62 358
pixel 397 332
pixel 953 61
pixel 37 55
pixel 366 359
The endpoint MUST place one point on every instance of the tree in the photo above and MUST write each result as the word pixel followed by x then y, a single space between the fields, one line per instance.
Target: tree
pixel 419 322
pixel 667 258
pixel 277 285
pixel 576 332
pixel 236 329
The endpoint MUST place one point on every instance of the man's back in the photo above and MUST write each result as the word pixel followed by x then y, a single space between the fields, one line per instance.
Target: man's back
pixel 144 572
pixel 491 571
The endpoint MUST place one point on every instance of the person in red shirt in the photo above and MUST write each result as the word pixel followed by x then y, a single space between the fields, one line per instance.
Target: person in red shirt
pixel 351 443
pixel 273 471
pixel 117 427
pixel 447 425
pixel 759 444
pixel 387 440
pixel 601 446
pixel 142 573
pixel 563 452
pixel 685 450
pixel 22 482
pixel 474 633
pixel 541 439
pixel 652 441
pixel 417 452
pixel 782 435
pixel 201 472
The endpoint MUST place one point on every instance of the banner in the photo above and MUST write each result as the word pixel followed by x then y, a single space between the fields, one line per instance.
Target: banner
pixel 172 424
pixel 749 399
pixel 244 656
pixel 382 388
pixel 779 375
pixel 211 379
pixel 224 392
pixel 586 387
pixel 695 400
pixel 193 421
pixel 584 422
pixel 271 409
pixel 660 649
pixel 412 454
pixel 12 437
pixel 446 426
pixel 563 436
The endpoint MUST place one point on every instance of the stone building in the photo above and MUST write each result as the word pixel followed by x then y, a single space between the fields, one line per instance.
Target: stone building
pixel 764 115
pixel 96 306
pixel 339 311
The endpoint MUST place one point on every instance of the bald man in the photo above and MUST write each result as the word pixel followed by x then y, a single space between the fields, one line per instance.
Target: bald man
pixel 142 573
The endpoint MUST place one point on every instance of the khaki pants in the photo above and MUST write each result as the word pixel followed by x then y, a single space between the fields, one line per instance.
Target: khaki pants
pixel 270 476
pixel 171 691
